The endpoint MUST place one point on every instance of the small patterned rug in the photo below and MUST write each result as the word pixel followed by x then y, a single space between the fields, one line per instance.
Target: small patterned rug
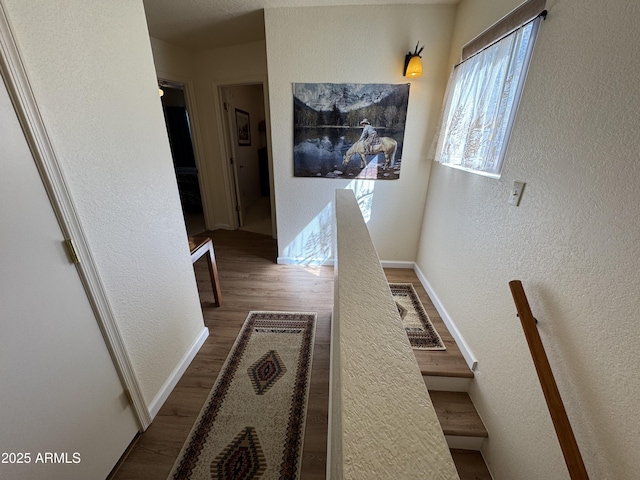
pixel 252 424
pixel 420 331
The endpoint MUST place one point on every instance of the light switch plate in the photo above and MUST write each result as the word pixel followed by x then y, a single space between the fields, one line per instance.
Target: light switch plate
pixel 516 193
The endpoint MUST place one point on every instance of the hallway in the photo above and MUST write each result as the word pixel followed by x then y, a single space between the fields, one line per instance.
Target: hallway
pixel 250 280
pixel 257 219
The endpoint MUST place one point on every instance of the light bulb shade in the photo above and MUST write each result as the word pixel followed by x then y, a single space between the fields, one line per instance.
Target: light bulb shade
pixel 414 67
pixel 160 91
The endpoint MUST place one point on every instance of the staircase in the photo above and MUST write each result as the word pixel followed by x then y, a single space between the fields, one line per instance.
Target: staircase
pixel 447 382
pixel 448 378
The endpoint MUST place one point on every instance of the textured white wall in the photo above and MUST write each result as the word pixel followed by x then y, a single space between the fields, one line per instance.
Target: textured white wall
pixel 172 59
pixel 92 73
pixel 573 241
pixel 354 45
pixel 223 66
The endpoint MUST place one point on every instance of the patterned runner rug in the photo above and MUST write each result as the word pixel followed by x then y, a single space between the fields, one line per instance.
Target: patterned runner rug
pixel 252 424
pixel 420 331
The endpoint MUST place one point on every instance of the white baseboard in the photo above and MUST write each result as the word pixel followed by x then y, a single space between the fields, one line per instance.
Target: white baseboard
pixel 392 264
pixel 167 388
pixel 464 348
pixel 328 262
pixel 222 226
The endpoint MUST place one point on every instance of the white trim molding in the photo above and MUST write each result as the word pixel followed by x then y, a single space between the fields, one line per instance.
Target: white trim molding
pixel 183 364
pixel 26 107
pixel 468 355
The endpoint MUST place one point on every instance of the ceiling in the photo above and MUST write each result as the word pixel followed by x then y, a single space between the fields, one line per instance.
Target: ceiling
pixel 207 24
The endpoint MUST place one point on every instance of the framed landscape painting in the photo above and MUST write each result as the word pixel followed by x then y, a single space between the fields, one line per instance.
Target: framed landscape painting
pixel 349 130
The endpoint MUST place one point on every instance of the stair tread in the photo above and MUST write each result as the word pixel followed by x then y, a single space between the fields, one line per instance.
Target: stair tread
pixel 470 465
pixel 457 414
pixel 439 363
pixel 436 363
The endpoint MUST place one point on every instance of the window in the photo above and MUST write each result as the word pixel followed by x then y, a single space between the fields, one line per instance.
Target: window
pixel 481 102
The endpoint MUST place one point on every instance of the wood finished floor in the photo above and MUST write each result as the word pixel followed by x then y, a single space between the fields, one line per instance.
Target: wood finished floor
pixel 251 280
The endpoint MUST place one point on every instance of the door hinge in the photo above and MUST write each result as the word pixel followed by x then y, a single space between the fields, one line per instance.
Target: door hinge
pixel 71 251
pixel 129 397
pixel 226 107
pixel 231 160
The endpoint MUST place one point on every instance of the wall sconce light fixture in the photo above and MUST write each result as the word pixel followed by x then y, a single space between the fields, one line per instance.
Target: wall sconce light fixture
pixel 412 63
pixel 160 91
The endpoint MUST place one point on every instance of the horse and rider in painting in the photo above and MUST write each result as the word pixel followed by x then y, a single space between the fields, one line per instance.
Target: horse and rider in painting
pixel 369 136
pixel 370 144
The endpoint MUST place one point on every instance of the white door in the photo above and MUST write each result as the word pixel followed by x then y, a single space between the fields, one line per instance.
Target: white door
pixel 63 410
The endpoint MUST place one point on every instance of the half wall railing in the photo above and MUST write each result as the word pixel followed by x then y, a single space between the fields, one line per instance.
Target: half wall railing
pixel 382 423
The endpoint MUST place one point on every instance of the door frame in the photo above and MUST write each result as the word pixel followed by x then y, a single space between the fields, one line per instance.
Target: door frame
pixel 228 127
pixel 198 151
pixel 19 88
pixel 224 139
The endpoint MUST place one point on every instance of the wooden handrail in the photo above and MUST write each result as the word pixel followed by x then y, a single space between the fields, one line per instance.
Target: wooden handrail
pixel 567 440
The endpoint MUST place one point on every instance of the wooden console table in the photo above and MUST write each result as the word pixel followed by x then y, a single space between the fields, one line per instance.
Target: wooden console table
pixel 200 246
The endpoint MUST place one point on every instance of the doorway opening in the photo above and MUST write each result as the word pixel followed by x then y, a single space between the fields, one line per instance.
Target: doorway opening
pixel 178 124
pixel 246 142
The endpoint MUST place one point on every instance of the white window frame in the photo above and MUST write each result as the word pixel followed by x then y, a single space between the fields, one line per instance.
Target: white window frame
pixel 481 102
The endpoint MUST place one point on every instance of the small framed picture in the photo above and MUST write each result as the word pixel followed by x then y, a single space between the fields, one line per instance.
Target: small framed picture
pixel 243 127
